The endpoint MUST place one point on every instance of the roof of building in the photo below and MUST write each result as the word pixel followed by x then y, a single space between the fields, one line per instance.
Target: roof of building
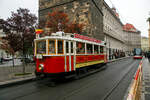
pixel 129 28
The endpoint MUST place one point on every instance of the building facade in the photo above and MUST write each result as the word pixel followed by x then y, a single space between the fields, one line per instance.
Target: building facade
pixel 113 31
pixel 145 44
pixel 88 12
pixel 132 37
pixel 101 22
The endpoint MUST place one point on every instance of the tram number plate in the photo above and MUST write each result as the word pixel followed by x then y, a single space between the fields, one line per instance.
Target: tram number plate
pixel 39 56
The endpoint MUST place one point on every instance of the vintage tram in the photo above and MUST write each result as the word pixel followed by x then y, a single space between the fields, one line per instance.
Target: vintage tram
pixel 137 53
pixel 67 54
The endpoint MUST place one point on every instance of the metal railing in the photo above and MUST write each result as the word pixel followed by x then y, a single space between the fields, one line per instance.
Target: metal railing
pixel 8 72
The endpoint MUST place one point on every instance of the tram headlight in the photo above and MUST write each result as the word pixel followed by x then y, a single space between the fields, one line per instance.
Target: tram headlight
pixel 41 67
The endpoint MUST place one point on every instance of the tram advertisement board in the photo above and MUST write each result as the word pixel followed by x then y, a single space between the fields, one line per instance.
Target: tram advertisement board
pixel 86 38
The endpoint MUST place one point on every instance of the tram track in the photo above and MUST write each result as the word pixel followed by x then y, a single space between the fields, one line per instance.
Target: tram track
pixel 92 83
pixel 117 83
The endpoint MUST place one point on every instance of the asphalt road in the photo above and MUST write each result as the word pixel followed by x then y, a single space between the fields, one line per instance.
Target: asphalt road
pixel 108 84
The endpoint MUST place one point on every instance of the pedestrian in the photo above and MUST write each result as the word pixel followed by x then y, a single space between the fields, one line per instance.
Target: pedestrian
pixel 1 60
pixel 148 56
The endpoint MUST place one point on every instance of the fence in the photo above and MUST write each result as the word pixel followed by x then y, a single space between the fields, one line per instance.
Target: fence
pixel 10 72
pixel 135 89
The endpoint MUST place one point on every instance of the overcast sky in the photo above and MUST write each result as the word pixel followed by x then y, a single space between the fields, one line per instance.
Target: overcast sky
pixel 135 12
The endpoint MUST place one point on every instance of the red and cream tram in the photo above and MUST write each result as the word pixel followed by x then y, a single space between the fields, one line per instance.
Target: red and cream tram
pixel 66 54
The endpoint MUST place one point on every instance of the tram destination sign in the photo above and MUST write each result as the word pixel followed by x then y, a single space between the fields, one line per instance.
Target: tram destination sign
pixel 86 38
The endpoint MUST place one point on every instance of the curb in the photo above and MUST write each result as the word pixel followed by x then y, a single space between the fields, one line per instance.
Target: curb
pixel 16 82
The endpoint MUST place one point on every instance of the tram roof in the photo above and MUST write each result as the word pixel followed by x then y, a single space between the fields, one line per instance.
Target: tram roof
pixel 71 38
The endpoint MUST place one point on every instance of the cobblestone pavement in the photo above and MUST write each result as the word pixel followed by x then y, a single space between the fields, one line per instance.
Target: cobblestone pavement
pixel 146 80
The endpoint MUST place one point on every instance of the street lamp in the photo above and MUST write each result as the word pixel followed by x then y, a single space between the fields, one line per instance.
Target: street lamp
pixel 23 59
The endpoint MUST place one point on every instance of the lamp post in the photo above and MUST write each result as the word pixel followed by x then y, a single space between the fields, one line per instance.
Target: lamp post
pixel 23 58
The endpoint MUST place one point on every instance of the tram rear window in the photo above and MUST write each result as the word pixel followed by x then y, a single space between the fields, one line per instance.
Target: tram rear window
pixel 41 47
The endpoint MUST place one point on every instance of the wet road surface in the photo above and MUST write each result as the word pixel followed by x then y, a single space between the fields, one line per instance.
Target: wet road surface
pixel 108 84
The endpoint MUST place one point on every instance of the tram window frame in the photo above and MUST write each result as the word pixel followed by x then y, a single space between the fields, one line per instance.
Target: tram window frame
pixel 37 42
pixel 96 50
pixel 52 48
pixel 102 49
pixel 89 51
pixel 58 47
pixel 80 50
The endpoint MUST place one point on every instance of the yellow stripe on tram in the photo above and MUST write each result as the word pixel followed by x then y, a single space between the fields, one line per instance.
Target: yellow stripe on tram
pixel 88 63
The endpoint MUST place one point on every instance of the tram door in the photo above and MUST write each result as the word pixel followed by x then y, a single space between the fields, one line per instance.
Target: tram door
pixel 70 58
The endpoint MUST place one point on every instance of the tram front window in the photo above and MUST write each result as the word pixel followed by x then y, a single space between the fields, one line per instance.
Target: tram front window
pixel 41 47
pixel 51 46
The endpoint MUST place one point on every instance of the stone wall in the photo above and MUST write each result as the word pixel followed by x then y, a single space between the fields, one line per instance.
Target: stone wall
pixel 87 12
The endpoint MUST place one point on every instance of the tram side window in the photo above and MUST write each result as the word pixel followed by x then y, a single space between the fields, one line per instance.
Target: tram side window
pixel 71 47
pixel 80 48
pixel 51 46
pixel 95 49
pixel 67 47
pixel 89 48
pixel 60 47
pixel 41 47
pixel 101 49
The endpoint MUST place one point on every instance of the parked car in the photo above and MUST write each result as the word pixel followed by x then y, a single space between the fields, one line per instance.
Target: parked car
pixel 28 60
pixel 7 59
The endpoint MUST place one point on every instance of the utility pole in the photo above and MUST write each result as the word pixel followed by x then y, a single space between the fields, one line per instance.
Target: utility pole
pixel 149 30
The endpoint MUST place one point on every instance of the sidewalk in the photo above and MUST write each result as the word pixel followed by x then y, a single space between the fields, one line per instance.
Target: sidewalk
pixel 146 80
